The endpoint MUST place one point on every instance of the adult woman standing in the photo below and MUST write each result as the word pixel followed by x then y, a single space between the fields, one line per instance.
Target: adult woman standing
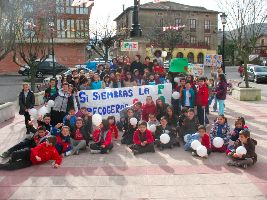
pixel 221 91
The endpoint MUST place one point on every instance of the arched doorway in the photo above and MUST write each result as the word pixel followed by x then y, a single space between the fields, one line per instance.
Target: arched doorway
pixel 190 57
pixel 179 55
pixel 200 58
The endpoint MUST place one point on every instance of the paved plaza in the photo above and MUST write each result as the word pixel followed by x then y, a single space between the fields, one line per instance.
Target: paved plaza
pixel 168 174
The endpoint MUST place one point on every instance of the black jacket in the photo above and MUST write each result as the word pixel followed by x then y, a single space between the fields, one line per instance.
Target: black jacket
pixel 250 147
pixel 168 130
pixel 28 104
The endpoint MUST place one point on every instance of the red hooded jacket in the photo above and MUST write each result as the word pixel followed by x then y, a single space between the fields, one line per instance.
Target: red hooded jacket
pixel 205 141
pixel 202 96
pixel 107 140
pixel 148 135
pixel 148 109
pixel 113 128
pixel 46 153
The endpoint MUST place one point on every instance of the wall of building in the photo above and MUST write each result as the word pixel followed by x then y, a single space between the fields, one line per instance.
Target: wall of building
pixel 66 54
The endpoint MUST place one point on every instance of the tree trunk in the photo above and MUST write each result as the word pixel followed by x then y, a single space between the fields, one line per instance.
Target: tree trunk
pixel 33 70
pixel 246 72
pixel 106 54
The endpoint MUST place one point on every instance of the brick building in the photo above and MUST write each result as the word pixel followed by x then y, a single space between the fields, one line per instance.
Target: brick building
pixel 71 31
pixel 200 26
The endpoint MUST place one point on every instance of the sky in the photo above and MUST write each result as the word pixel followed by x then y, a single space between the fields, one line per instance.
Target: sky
pixel 104 9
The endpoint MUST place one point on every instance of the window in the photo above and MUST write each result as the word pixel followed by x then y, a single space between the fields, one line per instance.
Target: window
pixel 200 58
pixel 72 30
pixel 60 6
pixel 193 25
pixel 178 22
pixel 207 40
pixel 190 57
pixel 61 28
pixel 192 40
pixel 262 42
pixel 207 26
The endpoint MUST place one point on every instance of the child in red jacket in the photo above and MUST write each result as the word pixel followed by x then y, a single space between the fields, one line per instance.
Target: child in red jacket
pixel 112 127
pixel 143 140
pixel 102 139
pixel 148 108
pixel 202 98
pixel 26 157
pixel 204 139
pixel 63 144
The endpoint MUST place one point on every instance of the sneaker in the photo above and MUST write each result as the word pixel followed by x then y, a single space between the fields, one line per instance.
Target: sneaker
pixel 161 148
pixel 77 152
pixel 245 166
pixel 94 151
pixel 194 153
pixel 6 154
pixel 135 152
pixel 68 153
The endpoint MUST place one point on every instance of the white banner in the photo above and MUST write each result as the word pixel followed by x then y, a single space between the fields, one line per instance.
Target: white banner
pixel 111 101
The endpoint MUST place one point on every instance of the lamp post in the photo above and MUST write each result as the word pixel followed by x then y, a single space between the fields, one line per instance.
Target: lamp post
pixel 136 30
pixel 224 21
pixel 51 25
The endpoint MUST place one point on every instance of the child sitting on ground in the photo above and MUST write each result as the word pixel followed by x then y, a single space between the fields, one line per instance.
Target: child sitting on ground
pixel 220 129
pixel 112 126
pixel 70 119
pixel 39 137
pixel 143 140
pixel 63 145
pixel 202 136
pixel 247 159
pixel 239 126
pixel 87 120
pixel 190 124
pixel 79 137
pixel 38 155
pixel 164 128
pixel 128 129
pixel 102 138
pixel 152 120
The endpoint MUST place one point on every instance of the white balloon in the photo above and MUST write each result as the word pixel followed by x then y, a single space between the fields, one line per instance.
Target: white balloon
pixel 241 150
pixel 50 103
pixel 202 151
pixel 195 144
pixel 97 119
pixel 176 95
pixel 43 110
pixel 165 138
pixel 164 54
pixel 133 121
pixel 33 112
pixel 218 142
pixel 153 128
pixel 176 80
pixel 186 137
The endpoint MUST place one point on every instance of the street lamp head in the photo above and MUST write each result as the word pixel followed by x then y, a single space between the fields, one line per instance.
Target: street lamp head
pixel 51 24
pixel 223 18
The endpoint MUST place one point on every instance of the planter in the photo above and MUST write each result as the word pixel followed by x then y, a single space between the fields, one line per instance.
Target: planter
pixel 7 111
pixel 246 94
pixel 39 98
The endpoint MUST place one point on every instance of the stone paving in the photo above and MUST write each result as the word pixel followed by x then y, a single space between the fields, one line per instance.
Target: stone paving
pixel 169 174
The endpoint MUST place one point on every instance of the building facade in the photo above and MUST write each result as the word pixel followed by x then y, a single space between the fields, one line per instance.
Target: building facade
pixel 199 24
pixel 70 31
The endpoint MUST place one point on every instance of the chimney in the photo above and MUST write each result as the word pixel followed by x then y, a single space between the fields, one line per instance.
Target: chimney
pixel 123 7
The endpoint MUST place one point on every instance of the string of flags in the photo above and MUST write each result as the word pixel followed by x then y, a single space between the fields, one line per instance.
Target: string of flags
pixel 81 2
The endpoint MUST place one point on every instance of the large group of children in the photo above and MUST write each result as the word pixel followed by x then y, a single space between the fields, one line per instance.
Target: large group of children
pixel 68 129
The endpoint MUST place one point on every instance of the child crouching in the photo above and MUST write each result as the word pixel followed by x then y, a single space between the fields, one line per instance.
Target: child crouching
pixel 63 145
pixel 102 138
pixel 143 140
pixel 247 159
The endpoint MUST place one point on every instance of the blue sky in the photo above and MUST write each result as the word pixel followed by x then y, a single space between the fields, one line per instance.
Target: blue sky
pixel 112 8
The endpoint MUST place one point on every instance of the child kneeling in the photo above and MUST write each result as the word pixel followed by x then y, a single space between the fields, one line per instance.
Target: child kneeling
pixel 38 155
pixel 102 139
pixel 247 159
pixel 143 140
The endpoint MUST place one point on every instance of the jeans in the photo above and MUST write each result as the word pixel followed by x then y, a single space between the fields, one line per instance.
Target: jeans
pixel 202 117
pixel 221 107
pixel 77 145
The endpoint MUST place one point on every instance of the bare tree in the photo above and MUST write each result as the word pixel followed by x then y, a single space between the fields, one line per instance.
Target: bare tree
pixel 245 20
pixel 8 18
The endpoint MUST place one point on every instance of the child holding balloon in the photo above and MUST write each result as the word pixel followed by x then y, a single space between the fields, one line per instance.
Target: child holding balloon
pixel 102 138
pixel 244 154
pixel 165 136
pixel 143 140
pixel 129 127
pixel 202 138
pixel 220 135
